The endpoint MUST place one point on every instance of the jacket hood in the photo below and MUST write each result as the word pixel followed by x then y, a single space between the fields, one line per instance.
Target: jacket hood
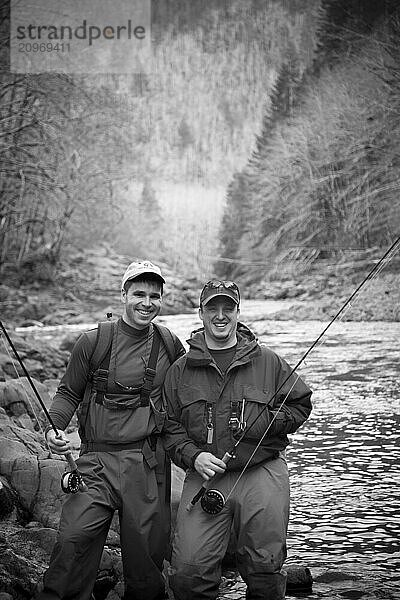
pixel 199 354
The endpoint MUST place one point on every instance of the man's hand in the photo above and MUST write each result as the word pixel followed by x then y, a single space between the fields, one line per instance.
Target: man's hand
pixel 59 444
pixel 207 465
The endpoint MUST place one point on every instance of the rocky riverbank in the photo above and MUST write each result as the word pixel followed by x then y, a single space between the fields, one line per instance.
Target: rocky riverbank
pixel 86 287
pixel 320 292
pixel 82 289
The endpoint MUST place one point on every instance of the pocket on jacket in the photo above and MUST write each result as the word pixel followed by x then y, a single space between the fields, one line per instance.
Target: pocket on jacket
pixel 251 404
pixel 194 413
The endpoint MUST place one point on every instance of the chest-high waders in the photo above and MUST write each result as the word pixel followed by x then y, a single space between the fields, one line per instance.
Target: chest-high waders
pixel 120 478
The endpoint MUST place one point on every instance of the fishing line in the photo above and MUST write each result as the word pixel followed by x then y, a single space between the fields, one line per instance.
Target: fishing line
pixel 71 482
pixel 216 501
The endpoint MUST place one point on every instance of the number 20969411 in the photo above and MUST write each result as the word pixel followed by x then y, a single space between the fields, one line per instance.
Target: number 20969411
pixel 43 47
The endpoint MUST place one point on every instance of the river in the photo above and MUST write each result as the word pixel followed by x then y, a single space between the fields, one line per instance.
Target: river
pixel 344 462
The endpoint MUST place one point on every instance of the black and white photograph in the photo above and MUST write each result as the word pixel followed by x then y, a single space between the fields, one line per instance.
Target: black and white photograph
pixel 199 299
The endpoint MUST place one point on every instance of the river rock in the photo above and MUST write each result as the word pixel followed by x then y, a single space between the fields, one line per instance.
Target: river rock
pixel 20 403
pixel 298 577
pixel 43 359
pixel 33 475
pixel 7 499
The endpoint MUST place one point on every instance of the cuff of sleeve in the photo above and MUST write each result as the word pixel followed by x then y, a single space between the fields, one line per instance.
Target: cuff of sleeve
pixel 189 454
pixel 194 458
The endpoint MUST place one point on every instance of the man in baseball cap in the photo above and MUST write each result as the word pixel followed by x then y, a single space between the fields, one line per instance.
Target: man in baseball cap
pixel 229 388
pixel 115 377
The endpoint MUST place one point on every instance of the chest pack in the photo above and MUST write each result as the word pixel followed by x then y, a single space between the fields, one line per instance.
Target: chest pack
pixel 100 359
pixel 100 362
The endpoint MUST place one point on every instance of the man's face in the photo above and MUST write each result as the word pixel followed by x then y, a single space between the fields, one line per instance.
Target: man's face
pixel 142 302
pixel 220 317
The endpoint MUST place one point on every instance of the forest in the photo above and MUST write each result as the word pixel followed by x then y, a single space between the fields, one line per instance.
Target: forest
pixel 322 180
pixel 283 116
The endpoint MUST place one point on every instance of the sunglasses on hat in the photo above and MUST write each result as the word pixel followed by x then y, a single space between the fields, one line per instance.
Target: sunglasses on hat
pixel 219 287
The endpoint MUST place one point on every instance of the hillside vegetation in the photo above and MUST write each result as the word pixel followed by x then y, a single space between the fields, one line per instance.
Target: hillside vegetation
pixel 81 154
pixel 321 187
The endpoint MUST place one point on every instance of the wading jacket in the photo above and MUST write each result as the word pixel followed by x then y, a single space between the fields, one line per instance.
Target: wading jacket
pixel 215 408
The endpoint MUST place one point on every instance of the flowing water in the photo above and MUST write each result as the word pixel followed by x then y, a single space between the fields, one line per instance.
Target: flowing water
pixel 344 462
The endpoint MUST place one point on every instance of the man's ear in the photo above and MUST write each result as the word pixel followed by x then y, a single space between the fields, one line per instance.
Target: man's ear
pixel 201 313
pixel 123 296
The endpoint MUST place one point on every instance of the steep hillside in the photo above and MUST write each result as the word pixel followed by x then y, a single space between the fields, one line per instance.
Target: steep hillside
pixel 322 184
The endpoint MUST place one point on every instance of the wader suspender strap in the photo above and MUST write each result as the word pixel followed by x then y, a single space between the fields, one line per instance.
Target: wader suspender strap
pixel 100 376
pixel 98 364
pixel 100 359
pixel 150 372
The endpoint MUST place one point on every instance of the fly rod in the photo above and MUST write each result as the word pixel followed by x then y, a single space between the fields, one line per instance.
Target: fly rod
pixel 214 500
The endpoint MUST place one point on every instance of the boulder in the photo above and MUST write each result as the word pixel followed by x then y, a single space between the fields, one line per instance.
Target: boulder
pixel 33 475
pixel 298 577
pixel 20 403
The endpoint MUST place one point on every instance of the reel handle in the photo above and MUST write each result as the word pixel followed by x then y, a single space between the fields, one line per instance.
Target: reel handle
pixel 226 458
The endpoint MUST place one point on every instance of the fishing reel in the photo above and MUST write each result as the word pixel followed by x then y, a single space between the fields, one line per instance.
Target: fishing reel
pixel 72 482
pixel 212 502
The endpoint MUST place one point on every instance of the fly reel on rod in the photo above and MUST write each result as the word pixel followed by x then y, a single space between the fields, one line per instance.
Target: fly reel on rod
pixel 72 481
pixel 212 501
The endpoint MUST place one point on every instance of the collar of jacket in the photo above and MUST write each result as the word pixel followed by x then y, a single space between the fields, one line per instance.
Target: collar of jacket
pixel 199 355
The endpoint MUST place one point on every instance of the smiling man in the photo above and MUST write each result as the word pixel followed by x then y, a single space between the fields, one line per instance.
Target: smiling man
pixel 115 377
pixel 222 390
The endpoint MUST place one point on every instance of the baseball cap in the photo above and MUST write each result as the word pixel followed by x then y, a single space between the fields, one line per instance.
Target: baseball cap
pixel 138 268
pixel 216 287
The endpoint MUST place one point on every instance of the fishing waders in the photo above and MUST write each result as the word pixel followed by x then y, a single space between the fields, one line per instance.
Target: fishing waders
pixel 258 511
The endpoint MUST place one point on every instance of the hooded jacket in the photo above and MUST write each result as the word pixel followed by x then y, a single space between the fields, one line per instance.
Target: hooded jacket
pixel 209 404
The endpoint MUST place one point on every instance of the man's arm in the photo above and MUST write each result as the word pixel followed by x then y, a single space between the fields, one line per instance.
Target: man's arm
pixel 296 396
pixel 180 447
pixel 73 383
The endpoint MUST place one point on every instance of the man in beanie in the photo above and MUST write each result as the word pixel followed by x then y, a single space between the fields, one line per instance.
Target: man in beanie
pixel 121 418
pixel 217 390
